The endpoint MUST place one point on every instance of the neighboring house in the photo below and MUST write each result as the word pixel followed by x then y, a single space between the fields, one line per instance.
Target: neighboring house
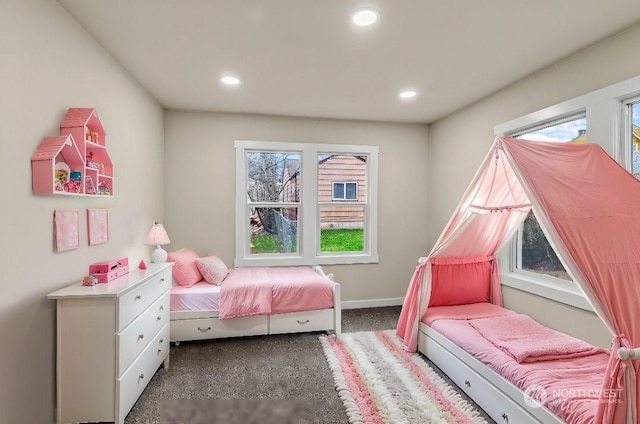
pixel 341 179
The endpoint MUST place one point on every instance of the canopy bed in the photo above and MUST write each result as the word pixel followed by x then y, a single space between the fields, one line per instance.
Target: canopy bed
pixel 589 209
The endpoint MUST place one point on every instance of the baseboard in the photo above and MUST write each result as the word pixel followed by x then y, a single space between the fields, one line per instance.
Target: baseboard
pixel 374 303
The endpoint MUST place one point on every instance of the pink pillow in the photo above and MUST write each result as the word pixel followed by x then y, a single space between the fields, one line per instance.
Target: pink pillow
pixel 185 271
pixel 460 284
pixel 212 269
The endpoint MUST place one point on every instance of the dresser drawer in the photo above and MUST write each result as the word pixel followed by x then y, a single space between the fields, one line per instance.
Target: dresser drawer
pixel 142 330
pixel 296 322
pixel 135 379
pixel 211 328
pixel 133 303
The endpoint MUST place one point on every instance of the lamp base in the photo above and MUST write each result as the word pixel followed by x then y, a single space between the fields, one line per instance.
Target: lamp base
pixel 159 255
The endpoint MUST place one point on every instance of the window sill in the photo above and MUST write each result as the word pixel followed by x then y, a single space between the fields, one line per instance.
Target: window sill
pixel 298 260
pixel 560 291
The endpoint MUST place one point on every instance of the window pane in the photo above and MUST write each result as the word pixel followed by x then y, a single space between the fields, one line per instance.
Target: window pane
pixel 273 177
pixel 574 130
pixel 342 229
pixel 537 254
pixel 349 172
pixel 338 191
pixel 635 139
pixel 352 191
pixel 274 230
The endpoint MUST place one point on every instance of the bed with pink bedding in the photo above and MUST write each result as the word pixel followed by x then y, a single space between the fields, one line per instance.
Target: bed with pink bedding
pixel 257 301
pixel 516 369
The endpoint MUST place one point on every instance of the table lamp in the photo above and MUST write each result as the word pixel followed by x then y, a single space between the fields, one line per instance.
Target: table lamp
pixel 158 236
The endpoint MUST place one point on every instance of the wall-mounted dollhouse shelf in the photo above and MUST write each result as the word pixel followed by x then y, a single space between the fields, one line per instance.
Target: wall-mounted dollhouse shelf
pixel 76 162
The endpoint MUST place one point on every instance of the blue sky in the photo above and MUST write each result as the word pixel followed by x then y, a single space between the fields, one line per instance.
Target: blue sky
pixel 570 130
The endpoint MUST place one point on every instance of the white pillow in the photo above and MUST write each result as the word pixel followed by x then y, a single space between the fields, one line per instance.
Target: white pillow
pixel 213 270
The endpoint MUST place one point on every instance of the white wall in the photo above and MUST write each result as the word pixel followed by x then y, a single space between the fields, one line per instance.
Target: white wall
pixel 200 188
pixel 48 64
pixel 459 142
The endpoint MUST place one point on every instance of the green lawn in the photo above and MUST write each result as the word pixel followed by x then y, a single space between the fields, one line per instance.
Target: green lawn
pixel 344 240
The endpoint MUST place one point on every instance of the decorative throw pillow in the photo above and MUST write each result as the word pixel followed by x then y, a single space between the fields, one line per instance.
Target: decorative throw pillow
pixel 185 271
pixel 212 269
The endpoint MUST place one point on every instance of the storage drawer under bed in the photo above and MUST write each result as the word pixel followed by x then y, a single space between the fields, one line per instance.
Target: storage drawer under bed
pixel 213 328
pixel 298 322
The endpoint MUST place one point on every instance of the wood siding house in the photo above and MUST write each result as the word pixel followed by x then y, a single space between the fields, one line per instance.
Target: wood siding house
pixel 342 181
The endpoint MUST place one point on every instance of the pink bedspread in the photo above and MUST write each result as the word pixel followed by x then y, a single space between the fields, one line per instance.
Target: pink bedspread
pixel 526 340
pixel 273 290
pixel 569 388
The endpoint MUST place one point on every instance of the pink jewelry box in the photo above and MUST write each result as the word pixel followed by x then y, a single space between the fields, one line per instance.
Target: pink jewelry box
pixel 109 270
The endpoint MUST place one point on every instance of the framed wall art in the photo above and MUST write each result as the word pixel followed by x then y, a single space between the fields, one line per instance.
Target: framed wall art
pixel 66 222
pixel 97 226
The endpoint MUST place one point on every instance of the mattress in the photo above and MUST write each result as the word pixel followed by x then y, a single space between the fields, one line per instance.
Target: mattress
pixel 569 388
pixel 201 296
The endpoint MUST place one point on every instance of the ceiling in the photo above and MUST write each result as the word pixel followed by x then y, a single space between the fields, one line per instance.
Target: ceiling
pixel 306 58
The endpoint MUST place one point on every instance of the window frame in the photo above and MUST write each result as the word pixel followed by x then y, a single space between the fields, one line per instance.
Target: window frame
pixel 344 184
pixel 308 206
pixel 607 119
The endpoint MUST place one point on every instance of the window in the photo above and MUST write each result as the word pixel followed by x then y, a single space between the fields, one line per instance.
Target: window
pixel 533 251
pixel 345 191
pixel 633 135
pixel 610 117
pixel 299 203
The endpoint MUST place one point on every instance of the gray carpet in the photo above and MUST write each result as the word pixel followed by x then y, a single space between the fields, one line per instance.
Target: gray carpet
pixel 279 379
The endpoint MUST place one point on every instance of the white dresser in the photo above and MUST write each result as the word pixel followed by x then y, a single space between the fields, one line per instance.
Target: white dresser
pixel 111 339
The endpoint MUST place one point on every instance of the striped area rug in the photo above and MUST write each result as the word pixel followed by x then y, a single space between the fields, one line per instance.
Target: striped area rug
pixel 379 382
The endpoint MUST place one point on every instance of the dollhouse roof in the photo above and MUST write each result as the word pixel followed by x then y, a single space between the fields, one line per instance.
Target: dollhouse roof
pixel 51 146
pixel 80 116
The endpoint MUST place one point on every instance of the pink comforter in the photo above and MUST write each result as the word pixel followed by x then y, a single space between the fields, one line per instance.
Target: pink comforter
pixel 526 340
pixel 570 388
pixel 273 290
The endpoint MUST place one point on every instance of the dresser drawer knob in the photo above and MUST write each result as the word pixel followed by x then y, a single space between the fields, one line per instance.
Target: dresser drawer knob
pixel 141 336
pixel 162 280
pixel 204 330
pixel 158 318
pixel 161 340
pixel 505 417
pixel 141 376
pixel 467 383
pixel 162 308
pixel 306 321
pixel 138 297
pixel 159 351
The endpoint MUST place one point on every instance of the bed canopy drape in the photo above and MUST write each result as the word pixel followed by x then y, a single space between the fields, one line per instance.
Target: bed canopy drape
pixel 589 208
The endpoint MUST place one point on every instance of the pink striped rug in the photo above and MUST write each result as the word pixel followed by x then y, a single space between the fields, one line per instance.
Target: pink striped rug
pixel 379 382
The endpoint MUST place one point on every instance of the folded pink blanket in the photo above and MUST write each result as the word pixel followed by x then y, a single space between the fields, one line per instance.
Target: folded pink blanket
pixel 526 340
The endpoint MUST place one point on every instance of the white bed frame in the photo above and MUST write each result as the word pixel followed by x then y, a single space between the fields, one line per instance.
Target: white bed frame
pixel 202 325
pixel 501 400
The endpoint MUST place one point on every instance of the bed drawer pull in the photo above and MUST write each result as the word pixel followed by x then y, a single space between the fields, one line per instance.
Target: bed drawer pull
pixel 306 321
pixel 505 417
pixel 204 330
pixel 467 383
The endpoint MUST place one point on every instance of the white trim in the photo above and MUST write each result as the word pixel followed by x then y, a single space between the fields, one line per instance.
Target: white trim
pixel 308 225
pixel 373 303
pixel 566 292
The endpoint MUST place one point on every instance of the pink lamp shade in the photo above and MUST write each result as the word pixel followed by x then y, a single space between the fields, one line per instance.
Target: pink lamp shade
pixel 158 236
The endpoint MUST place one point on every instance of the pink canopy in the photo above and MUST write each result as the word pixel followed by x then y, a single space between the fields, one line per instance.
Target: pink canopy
pixel 589 207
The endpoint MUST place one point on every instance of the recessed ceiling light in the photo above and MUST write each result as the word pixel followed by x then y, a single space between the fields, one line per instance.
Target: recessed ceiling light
pixel 230 80
pixel 365 17
pixel 408 94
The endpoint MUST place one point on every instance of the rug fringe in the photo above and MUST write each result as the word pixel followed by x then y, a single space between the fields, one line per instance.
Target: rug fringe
pixel 353 412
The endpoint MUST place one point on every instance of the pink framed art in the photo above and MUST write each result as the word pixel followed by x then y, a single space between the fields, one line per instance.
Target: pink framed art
pixel 97 226
pixel 66 223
